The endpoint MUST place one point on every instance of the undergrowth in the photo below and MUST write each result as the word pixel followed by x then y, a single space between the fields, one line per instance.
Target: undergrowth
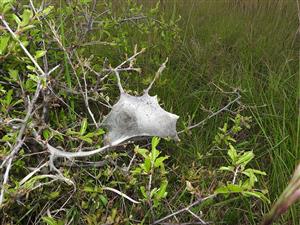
pixel 229 169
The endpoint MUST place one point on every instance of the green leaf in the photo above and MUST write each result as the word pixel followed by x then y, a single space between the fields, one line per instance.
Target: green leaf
pixel 88 189
pixel 86 139
pixel 31 68
pixel 143 191
pixel 227 168
pixel 8 97
pixel 6 5
pixel 137 171
pixel 229 188
pixel 90 135
pixel 83 127
pixel 153 192
pixel 33 77
pixel 232 153
pixel 245 158
pixel 47 10
pixel 224 129
pixel 46 134
pixel 155 142
pixel 103 200
pixel 54 194
pixel 84 2
pixel 161 193
pixel 159 161
pixel 49 220
pixel 17 19
pixel 147 165
pixel 40 53
pixel 257 194
pixel 142 151
pixel 71 132
pixel 257 172
pixel 13 74
pixel 3 44
pixel 26 16
pixel 100 132
pixel 27 28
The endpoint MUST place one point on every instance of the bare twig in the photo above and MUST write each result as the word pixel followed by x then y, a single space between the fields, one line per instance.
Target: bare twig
pixel 139 17
pixel 197 217
pixel 33 172
pixel 186 209
pixel 235 174
pixel 213 114
pixel 120 193
pixel 157 74
pixel 118 81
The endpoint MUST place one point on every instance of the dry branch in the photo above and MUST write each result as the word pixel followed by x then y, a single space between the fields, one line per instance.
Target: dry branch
pixel 185 209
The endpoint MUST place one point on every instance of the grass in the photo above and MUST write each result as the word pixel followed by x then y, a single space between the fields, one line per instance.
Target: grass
pixel 252 46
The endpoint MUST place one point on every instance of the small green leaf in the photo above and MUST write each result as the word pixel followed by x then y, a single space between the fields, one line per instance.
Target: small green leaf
pixel 161 193
pixel 141 151
pixel 257 194
pixel 229 188
pixel 34 77
pixel 100 132
pixel 47 10
pixel 39 54
pixel 103 200
pixel 89 189
pixel 257 172
pixel 245 158
pixel 227 168
pixel 3 44
pixel 232 153
pixel 83 127
pixel 31 68
pixel 153 192
pixel 17 19
pixel 49 220
pixel 26 16
pixel 54 194
pixel 146 166
pixel 155 142
pixel 159 161
pixel 6 5
pixel 143 191
pixel 86 139
pixel 13 74
pixel 27 28
pixel 46 134
pixel 154 154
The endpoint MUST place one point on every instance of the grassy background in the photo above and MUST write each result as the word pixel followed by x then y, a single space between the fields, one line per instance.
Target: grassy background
pixel 250 45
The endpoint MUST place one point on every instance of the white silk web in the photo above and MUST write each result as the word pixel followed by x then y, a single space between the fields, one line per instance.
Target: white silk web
pixel 136 116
